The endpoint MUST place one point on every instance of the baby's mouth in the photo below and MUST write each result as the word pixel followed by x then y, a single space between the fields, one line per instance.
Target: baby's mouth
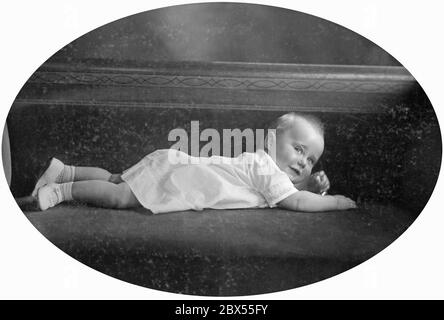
pixel 296 170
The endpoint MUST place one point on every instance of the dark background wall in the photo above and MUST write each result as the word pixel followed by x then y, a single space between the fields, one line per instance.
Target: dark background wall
pixel 226 32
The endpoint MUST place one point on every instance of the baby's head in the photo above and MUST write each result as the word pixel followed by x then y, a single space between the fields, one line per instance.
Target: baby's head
pixel 297 144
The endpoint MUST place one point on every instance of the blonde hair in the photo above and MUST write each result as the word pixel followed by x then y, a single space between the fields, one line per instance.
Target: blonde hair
pixel 285 121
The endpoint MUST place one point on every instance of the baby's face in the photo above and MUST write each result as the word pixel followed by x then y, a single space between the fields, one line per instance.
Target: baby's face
pixel 298 148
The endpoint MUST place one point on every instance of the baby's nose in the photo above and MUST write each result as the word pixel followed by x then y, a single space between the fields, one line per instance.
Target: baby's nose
pixel 302 162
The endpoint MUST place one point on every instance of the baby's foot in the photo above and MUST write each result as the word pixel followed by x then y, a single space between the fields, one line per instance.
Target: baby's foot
pixel 51 175
pixel 49 196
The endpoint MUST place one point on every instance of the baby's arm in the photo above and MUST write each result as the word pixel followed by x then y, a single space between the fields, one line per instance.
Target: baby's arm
pixel 311 202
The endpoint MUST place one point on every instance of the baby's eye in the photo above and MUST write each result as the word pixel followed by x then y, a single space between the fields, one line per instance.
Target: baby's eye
pixel 310 161
pixel 298 149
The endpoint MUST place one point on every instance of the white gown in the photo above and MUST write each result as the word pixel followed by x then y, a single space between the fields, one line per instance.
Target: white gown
pixel 169 180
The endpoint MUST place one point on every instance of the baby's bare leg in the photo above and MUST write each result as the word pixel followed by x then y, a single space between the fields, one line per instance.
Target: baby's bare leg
pixel 91 173
pixel 104 194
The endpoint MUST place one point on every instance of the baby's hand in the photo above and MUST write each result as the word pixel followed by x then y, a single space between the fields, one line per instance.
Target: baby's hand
pixel 318 183
pixel 345 203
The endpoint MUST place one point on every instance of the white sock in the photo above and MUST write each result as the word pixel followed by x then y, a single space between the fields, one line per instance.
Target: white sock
pixel 66 191
pixel 67 174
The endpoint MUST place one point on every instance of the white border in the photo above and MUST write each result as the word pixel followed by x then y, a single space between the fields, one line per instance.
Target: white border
pixel 32 268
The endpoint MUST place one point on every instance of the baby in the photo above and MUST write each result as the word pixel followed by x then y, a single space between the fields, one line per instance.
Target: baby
pixel 170 180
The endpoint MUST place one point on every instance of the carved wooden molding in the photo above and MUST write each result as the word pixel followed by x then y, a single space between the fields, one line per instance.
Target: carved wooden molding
pixel 222 75
pixel 222 85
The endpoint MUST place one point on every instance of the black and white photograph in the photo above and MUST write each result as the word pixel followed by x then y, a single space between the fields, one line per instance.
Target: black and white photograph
pixel 219 149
